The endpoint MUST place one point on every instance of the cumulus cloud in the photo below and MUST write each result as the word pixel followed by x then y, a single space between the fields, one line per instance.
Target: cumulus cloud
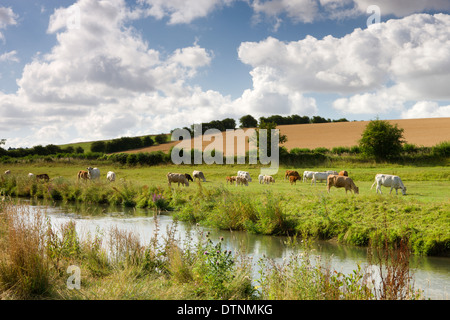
pixel 426 109
pixel 376 69
pixel 307 11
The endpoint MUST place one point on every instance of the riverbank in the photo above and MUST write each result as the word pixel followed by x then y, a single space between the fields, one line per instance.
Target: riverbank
pixel 304 210
pixel 41 260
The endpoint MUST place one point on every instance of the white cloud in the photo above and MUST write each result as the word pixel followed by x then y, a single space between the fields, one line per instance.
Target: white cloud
pixel 7 17
pixel 404 60
pixel 9 56
pixel 426 109
pixel 182 11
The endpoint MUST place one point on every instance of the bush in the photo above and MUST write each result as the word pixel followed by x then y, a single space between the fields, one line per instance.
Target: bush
pixel 381 140
pixel 442 149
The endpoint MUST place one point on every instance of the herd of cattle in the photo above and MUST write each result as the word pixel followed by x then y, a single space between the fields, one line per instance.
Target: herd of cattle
pixel 332 178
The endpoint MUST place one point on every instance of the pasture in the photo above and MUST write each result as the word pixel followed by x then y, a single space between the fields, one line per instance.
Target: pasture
pixel 423 215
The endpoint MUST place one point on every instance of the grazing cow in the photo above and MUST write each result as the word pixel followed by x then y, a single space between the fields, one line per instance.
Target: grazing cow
pixel 245 174
pixel 268 179
pixel 307 175
pixel 177 178
pixel 338 181
pixel 93 173
pixel 31 175
pixel 321 176
pixel 290 173
pixel 43 176
pixel 231 179
pixel 111 176
pixel 261 178
pixel 343 173
pixel 241 180
pixel 293 179
pixel 188 177
pixel 83 175
pixel 199 175
pixel 389 180
pixel 8 172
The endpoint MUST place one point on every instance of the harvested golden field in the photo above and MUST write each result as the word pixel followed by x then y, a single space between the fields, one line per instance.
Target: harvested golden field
pixel 421 132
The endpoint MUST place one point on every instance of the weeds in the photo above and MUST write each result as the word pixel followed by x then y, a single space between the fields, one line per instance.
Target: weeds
pixel 34 256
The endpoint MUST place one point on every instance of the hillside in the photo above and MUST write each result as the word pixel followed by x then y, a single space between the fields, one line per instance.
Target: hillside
pixel 421 132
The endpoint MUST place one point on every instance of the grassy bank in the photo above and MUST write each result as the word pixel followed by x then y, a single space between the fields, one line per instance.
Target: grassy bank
pixel 34 261
pixel 422 217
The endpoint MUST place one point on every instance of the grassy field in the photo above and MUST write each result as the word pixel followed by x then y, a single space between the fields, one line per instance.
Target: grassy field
pixel 422 216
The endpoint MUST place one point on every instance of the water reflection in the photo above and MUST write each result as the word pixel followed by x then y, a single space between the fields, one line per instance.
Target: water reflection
pixel 431 274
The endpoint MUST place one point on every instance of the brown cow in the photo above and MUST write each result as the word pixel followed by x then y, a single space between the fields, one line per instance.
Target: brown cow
pixel 293 179
pixel 341 182
pixel 290 173
pixel 83 175
pixel 43 176
pixel 231 179
pixel 343 173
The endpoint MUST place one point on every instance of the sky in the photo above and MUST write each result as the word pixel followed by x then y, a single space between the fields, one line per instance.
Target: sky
pixel 85 70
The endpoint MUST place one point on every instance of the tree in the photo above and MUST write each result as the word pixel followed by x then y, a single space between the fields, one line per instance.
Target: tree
pixel 161 138
pixel 98 146
pixel 381 140
pixel 248 122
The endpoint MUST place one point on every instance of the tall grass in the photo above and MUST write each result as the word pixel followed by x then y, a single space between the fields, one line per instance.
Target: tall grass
pixel 34 257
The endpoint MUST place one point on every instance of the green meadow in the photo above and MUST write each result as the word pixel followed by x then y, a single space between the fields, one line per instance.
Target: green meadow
pixel 422 216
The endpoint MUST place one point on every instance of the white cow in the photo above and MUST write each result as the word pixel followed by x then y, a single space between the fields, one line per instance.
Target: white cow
pixel 322 176
pixel 111 176
pixel 261 178
pixel 389 180
pixel 93 173
pixel 199 175
pixel 8 172
pixel 31 175
pixel 307 175
pixel 244 174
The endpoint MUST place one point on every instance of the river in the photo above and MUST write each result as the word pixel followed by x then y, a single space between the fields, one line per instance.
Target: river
pixel 431 274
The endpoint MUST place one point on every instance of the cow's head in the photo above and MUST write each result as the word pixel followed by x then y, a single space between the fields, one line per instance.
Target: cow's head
pixel 404 191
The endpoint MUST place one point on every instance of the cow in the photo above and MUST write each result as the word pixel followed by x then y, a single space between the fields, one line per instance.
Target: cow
pixel 231 179
pixel 199 175
pixel 188 177
pixel 268 179
pixel 242 180
pixel 338 181
pixel 43 176
pixel 290 173
pixel 111 176
pixel 322 176
pixel 343 173
pixel 177 178
pixel 93 173
pixel 31 175
pixel 293 179
pixel 245 174
pixel 8 172
pixel 261 178
pixel 307 175
pixel 389 180
pixel 83 175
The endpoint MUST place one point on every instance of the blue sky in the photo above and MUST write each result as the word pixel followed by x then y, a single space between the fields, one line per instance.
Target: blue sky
pixel 86 70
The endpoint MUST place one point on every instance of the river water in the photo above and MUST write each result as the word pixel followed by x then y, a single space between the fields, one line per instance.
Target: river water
pixel 431 274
